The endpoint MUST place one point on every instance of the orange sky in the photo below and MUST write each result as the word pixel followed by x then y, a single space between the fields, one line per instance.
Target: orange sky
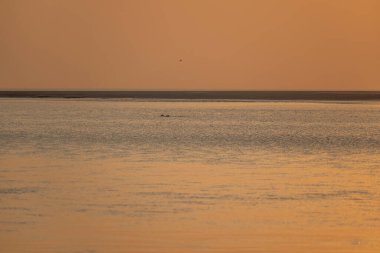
pixel 255 45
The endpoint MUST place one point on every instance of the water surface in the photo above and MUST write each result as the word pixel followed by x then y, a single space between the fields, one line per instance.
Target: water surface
pixel 97 175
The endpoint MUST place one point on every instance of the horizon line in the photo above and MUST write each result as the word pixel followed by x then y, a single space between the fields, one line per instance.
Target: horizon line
pixel 197 94
pixel 174 90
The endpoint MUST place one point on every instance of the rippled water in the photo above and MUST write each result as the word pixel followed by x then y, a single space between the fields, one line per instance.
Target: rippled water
pixel 115 176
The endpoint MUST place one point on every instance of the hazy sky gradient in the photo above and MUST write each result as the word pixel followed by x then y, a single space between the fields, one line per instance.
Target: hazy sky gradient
pixel 255 45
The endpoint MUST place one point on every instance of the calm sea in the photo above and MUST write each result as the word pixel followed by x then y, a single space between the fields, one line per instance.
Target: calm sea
pixel 108 175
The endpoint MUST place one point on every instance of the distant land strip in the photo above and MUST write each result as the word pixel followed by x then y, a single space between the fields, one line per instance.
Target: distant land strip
pixel 243 95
